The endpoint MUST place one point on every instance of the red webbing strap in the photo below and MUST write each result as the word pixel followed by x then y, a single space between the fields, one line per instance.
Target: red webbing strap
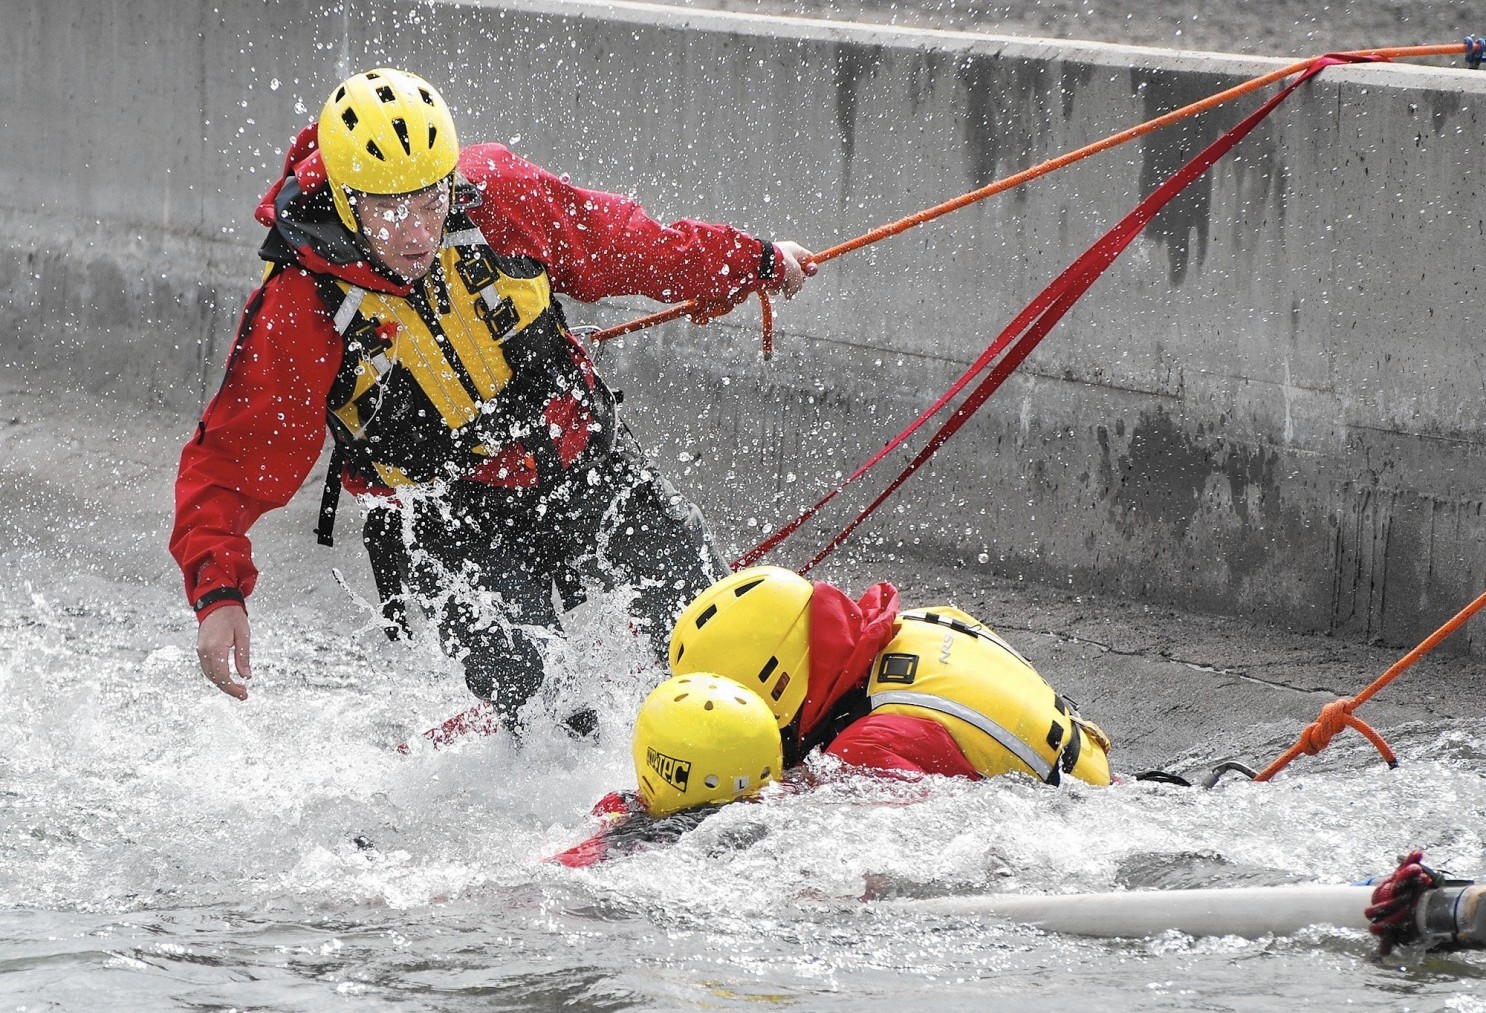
pixel 1041 314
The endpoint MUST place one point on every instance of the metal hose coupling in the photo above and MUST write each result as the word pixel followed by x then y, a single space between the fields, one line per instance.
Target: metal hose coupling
pixel 1453 915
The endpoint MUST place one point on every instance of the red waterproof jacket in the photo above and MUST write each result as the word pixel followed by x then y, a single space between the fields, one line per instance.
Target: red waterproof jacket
pixel 262 433
pixel 845 638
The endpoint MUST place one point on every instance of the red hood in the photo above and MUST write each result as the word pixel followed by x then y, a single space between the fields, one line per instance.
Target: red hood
pixel 304 156
pixel 305 166
pixel 845 636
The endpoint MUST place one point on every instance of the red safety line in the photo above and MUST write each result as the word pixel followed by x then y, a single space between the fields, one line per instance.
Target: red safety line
pixel 1041 314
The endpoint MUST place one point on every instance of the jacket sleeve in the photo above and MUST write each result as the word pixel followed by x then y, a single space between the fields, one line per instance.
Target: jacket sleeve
pixel 901 744
pixel 628 828
pixel 597 244
pixel 257 440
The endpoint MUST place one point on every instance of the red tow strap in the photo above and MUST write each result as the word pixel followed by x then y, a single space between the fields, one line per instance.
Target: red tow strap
pixel 1032 324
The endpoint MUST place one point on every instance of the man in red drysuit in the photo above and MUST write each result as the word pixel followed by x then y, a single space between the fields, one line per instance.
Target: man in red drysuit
pixel 410 305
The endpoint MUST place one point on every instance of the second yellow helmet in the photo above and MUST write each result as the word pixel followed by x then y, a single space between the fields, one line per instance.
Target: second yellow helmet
pixel 754 627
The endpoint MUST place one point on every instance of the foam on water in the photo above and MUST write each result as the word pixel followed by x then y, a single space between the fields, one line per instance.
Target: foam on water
pixel 162 843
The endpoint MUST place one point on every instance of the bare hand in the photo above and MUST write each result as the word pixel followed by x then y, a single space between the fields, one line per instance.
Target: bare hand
pixel 798 265
pixel 221 641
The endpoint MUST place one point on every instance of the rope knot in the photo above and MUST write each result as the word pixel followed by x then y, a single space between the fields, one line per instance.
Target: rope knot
pixel 1333 719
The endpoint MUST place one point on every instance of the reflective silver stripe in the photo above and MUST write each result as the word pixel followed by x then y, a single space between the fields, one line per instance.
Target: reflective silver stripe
pixel 349 305
pixel 1004 738
pixel 491 296
pixel 465 237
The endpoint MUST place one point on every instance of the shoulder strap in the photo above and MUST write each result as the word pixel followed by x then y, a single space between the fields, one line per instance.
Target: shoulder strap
pixel 343 307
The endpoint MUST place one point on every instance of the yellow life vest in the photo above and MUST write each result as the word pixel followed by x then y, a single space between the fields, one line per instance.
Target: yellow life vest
pixel 944 665
pixel 435 383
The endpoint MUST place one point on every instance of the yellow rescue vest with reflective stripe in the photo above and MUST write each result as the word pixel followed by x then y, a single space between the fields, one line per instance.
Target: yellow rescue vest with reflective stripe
pixel 946 666
pixel 437 382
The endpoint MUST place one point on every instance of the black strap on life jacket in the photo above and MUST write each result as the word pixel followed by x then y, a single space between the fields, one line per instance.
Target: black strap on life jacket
pixel 330 497
pixel 389 566
pixel 1074 747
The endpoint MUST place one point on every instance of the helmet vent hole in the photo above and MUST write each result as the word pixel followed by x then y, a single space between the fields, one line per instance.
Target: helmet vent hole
pixel 768 669
pixel 743 589
pixel 711 781
pixel 427 98
pixel 707 613
pixel 683 696
pixel 401 126
pixel 374 151
pixel 386 94
pixel 767 773
pixel 349 118
pixel 340 93
pixel 680 651
pixel 778 690
pixel 707 706
pixel 433 133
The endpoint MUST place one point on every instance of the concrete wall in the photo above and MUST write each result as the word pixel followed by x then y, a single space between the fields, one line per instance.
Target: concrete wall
pixel 1272 405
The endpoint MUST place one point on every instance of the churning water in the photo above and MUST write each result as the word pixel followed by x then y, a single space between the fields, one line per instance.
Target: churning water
pixel 162 846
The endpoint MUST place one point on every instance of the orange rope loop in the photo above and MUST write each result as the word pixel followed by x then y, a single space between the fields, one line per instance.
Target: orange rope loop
pixel 766 313
pixel 703 311
pixel 1042 169
pixel 1338 714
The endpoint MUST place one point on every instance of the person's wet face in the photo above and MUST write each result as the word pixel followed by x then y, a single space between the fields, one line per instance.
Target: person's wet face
pixel 404 230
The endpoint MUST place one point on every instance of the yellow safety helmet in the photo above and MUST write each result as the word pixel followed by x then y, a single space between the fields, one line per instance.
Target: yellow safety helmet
pixel 385 131
pixel 752 626
pixel 703 739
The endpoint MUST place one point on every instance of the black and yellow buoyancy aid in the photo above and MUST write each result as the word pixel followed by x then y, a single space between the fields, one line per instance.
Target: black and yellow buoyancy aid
pixel 436 383
pixel 944 665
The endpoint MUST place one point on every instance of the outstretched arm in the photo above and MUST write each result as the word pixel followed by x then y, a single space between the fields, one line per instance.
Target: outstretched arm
pixel 596 244
pixel 257 442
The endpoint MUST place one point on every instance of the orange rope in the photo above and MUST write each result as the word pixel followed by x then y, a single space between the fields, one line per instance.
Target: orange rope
pixel 1051 165
pixel 1337 714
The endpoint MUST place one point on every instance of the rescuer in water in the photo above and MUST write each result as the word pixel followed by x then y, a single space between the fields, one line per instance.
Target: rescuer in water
pixel 409 303
pixel 906 693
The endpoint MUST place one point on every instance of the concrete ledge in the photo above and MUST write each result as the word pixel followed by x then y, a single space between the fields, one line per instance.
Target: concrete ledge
pixel 1270 406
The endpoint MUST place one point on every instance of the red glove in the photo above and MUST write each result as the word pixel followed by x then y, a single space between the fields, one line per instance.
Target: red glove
pixel 1395 900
